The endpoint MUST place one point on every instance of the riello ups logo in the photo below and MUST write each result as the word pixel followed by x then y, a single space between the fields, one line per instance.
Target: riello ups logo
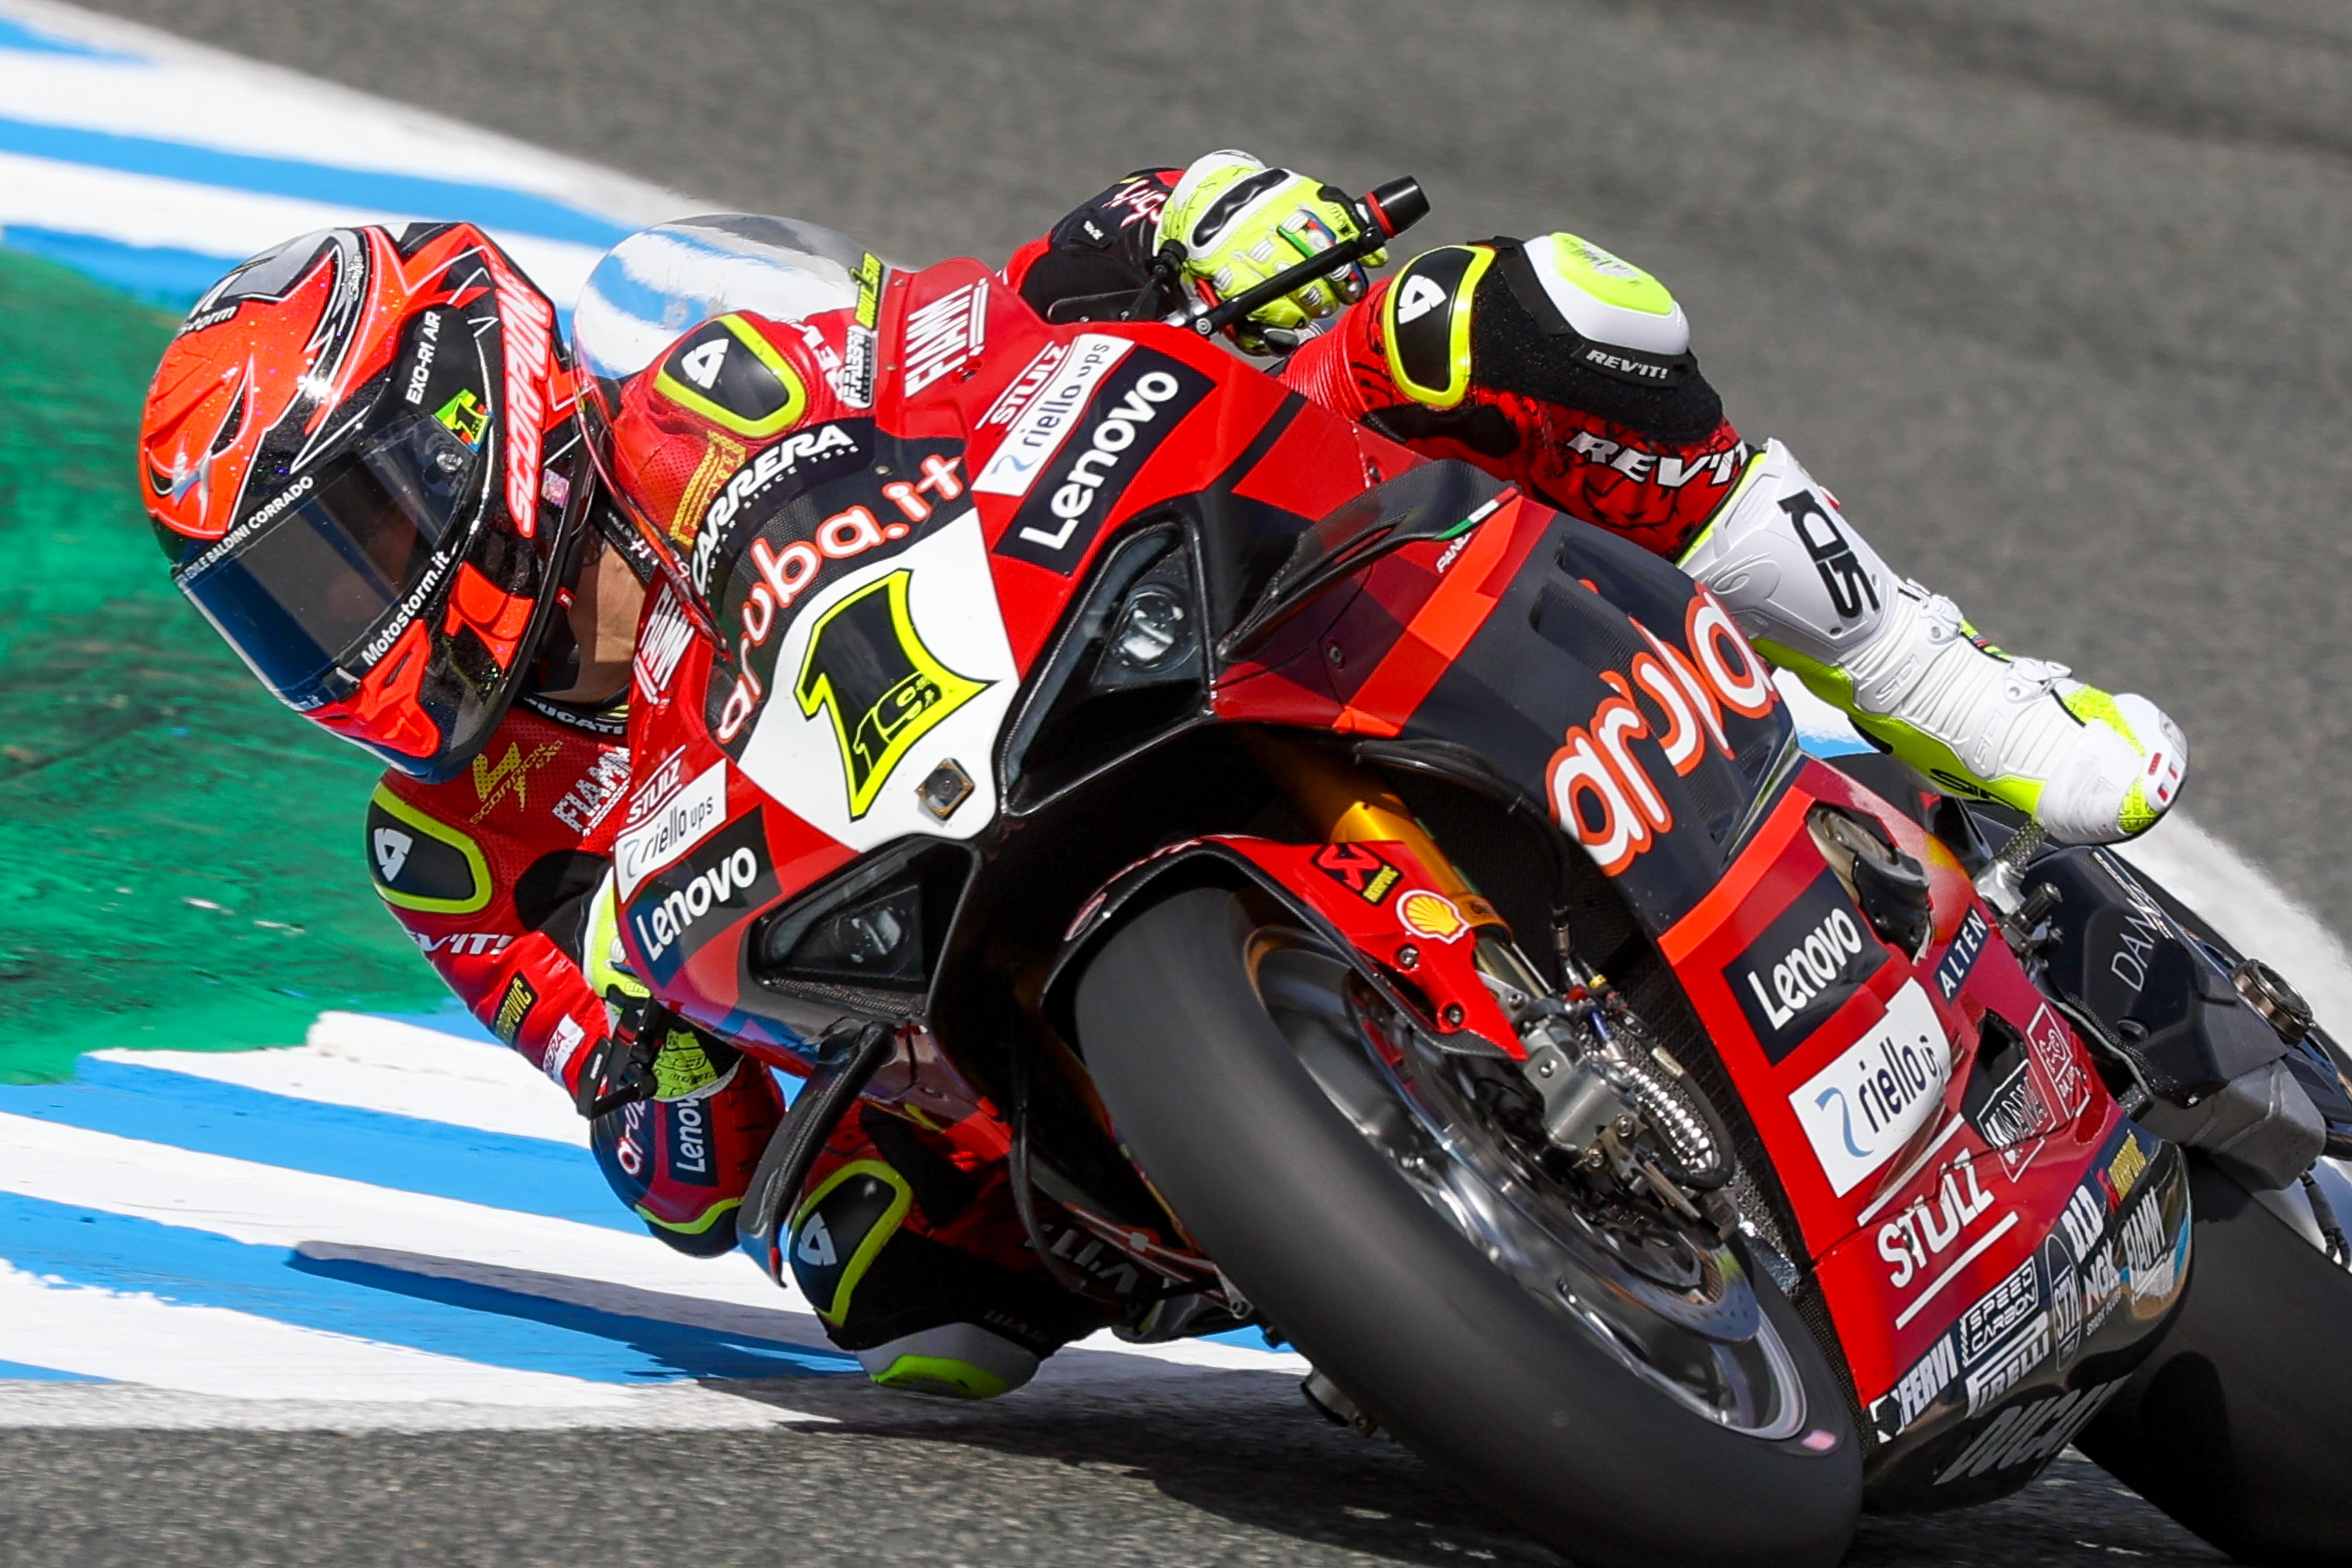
pixel 1140 402
pixel 685 904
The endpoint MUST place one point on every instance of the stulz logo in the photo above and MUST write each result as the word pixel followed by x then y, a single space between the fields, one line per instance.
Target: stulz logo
pixel 1062 378
pixel 1804 967
pixel 1140 403
pixel 1926 1227
pixel 681 908
pixel 660 830
pixel 1016 397
pixel 1864 1106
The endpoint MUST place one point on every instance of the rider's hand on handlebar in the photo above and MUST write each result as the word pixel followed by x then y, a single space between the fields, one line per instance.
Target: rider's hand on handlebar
pixel 1241 223
pixel 647 1053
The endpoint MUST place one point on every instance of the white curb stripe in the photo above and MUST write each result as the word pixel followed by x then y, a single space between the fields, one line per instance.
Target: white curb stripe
pixel 131 1407
pixel 148 210
pixel 380 1064
pixel 187 92
pixel 135 1338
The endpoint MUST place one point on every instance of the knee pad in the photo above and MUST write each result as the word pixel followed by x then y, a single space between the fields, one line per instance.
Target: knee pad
pixel 863 1249
pixel 956 1361
pixel 683 1165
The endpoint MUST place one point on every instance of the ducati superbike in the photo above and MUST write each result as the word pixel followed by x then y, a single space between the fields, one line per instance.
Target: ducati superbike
pixel 1361 902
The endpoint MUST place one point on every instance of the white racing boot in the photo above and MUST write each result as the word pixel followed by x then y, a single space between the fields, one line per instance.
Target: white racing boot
pixel 1918 681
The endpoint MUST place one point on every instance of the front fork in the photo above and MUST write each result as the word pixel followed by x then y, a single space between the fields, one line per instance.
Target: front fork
pixel 1616 1105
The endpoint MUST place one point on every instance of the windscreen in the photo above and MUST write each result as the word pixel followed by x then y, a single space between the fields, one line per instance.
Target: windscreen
pixel 664 281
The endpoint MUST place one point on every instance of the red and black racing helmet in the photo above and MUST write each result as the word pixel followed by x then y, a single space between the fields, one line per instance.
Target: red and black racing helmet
pixel 360 455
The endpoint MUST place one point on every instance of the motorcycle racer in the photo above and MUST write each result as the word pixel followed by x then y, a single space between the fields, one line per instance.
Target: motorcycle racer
pixel 362 461
pixel 420 597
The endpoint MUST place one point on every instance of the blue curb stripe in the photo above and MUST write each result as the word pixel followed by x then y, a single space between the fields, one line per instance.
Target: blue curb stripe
pixel 410 194
pixel 152 274
pixel 370 1301
pixel 18 1372
pixel 405 1153
pixel 16 36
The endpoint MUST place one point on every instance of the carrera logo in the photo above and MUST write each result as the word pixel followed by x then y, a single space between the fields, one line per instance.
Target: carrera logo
pixel 671 829
pixel 1864 1106
pixel 1805 967
pixel 808 457
pixel 1069 377
pixel 1141 402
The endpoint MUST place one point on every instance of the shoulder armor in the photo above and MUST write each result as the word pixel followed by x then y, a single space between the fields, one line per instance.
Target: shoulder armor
pixel 1425 320
pixel 729 374
pixel 422 863
pixel 1605 297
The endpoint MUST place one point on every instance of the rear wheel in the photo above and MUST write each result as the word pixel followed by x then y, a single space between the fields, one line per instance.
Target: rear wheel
pixel 1609 1376
pixel 2239 1425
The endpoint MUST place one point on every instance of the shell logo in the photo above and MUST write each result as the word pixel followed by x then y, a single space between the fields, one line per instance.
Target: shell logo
pixel 1431 916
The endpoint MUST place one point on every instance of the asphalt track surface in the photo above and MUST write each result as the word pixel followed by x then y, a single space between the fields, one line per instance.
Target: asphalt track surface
pixel 2049 290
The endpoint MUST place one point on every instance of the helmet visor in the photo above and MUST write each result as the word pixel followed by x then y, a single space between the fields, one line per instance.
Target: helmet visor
pixel 305 587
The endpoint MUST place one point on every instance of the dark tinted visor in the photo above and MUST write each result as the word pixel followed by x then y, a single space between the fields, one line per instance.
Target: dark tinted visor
pixel 297 590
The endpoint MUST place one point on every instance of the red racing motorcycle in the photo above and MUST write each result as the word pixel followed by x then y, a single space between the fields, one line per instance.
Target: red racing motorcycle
pixel 1361 902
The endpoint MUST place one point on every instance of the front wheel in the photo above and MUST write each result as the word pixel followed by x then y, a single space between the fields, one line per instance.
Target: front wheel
pixel 1621 1388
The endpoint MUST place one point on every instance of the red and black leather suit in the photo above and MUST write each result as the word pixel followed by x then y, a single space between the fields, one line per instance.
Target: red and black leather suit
pixel 1647 461
pixel 490 871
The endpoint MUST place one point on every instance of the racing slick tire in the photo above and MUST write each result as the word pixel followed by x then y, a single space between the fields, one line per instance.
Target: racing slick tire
pixel 1504 1393
pixel 2239 1424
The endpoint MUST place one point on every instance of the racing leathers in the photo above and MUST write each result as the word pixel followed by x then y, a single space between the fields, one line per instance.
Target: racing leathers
pixel 1566 370
pixel 1548 363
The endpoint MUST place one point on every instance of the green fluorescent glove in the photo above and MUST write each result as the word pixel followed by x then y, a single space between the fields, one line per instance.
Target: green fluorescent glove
pixel 1240 222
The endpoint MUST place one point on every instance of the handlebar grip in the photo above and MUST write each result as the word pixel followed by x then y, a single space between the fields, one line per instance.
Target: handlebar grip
pixel 1392 208
pixel 1397 205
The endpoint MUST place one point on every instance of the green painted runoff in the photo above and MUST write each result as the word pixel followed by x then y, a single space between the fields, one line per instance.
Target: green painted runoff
pixel 180 857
